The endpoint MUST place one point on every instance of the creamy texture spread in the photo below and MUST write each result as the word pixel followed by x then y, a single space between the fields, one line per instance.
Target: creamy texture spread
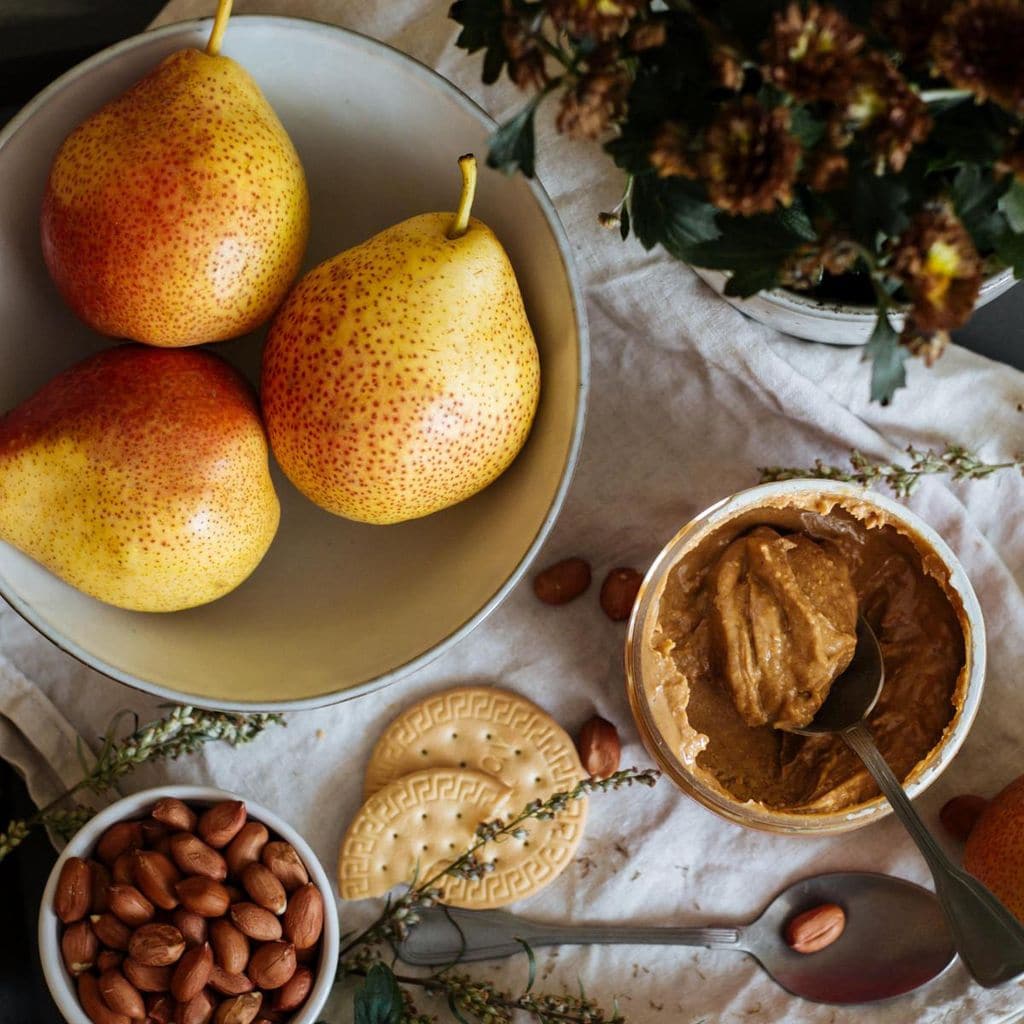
pixel 756 620
pixel 783 616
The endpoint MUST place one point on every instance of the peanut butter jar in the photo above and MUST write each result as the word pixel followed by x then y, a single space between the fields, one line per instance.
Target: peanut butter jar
pixel 908 584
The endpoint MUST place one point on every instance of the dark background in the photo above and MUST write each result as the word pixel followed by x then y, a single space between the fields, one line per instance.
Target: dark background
pixel 39 40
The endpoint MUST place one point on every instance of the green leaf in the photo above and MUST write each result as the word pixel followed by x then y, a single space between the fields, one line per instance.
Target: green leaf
pixel 753 248
pixel 967 132
pixel 531 961
pixel 1010 249
pixel 877 205
pixel 481 22
pixel 975 195
pixel 624 222
pixel 512 146
pixel 379 999
pixel 1012 205
pixel 887 357
pixel 671 211
pixel 806 127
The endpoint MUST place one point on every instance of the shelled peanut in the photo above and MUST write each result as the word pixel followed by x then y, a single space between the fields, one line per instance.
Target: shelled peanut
pixel 190 916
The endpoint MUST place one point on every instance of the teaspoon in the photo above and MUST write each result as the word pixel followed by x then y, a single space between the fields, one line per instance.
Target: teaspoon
pixel 989 939
pixel 895 938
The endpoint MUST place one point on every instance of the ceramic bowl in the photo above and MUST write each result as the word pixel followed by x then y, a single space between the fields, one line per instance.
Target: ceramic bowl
pixel 60 982
pixel 838 323
pixel 337 608
pixel 648 707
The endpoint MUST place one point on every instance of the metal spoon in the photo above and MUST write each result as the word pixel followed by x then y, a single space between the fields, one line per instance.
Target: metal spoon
pixel 989 939
pixel 895 938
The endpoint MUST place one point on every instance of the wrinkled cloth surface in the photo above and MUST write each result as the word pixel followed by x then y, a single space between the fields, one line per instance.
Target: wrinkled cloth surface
pixel 688 399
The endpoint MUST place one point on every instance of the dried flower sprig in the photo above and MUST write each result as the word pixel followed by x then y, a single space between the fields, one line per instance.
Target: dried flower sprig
pixel 183 730
pixel 365 954
pixel 954 460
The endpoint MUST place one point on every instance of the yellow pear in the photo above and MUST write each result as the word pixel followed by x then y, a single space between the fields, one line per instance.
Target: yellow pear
pixel 140 476
pixel 178 213
pixel 401 376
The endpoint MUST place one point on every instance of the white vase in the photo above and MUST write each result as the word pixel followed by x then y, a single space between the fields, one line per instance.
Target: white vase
pixel 838 323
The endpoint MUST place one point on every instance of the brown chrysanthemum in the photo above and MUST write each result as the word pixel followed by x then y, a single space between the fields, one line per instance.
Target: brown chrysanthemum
pixel 726 68
pixel 600 20
pixel 980 47
pixel 940 268
pixel 929 345
pixel 826 170
pixel 884 110
pixel 834 253
pixel 749 158
pixel 646 35
pixel 597 99
pixel 810 54
pixel 525 57
pixel 909 25
pixel 670 152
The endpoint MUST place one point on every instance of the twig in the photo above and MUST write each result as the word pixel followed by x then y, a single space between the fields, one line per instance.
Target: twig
pixel 954 460
pixel 182 731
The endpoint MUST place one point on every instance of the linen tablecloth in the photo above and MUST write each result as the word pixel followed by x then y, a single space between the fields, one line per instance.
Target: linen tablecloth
pixel 688 399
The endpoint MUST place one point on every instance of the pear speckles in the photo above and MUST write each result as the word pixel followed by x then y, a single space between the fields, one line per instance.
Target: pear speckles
pixel 141 477
pixel 401 376
pixel 178 213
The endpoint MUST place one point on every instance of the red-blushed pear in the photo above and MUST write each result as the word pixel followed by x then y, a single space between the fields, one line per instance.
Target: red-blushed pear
pixel 401 376
pixel 994 853
pixel 140 476
pixel 178 213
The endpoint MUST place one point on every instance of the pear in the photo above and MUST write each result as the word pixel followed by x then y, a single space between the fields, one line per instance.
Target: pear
pixel 140 476
pixel 401 376
pixel 178 213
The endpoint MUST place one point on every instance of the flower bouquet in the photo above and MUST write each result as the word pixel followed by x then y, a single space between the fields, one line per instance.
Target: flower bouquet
pixel 865 151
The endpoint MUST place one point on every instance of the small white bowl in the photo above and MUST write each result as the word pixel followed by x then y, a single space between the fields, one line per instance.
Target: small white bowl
pixel 61 984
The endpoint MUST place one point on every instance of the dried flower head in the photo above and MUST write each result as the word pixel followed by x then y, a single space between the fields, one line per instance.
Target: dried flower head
pixel 909 25
pixel 883 109
pixel 670 153
pixel 597 99
pixel 749 158
pixel 940 269
pixel 599 20
pixel 646 35
pixel 928 345
pixel 826 170
pixel 809 54
pixel 525 57
pixel 727 68
pixel 979 47
pixel 834 253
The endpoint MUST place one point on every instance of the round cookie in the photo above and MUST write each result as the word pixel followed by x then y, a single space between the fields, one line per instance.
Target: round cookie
pixel 490 730
pixel 415 826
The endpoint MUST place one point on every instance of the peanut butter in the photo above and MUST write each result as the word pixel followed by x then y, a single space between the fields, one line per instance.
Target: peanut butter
pixel 755 622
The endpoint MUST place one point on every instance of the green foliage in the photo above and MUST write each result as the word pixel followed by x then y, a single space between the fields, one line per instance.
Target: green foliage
pixel 481 30
pixel 512 146
pixel 670 212
pixel 887 359
pixel 379 999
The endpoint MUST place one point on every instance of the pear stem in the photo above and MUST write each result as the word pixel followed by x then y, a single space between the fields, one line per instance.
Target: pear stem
pixel 220 23
pixel 467 165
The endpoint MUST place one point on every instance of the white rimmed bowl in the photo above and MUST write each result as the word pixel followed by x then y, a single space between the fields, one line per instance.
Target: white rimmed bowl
pixel 640 659
pixel 60 982
pixel 337 608
pixel 837 323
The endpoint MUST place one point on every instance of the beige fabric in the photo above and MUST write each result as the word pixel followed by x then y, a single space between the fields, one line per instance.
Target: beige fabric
pixel 688 399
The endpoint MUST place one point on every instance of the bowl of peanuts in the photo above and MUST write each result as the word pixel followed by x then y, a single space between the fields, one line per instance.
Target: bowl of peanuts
pixel 188 905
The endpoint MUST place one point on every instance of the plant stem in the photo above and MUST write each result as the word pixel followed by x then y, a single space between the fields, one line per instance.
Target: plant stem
pixel 467 165
pixel 220 23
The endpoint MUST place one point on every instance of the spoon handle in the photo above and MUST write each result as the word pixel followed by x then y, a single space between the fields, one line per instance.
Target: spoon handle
pixel 989 939
pixel 443 936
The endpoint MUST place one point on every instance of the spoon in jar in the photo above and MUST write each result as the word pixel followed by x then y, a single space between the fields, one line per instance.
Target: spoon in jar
pixel 989 939
pixel 895 938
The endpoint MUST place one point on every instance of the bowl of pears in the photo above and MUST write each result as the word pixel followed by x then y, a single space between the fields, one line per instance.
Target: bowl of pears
pixel 292 387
